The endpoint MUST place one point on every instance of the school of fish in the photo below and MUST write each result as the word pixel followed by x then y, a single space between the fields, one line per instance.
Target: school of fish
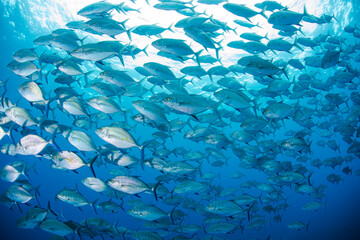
pixel 262 114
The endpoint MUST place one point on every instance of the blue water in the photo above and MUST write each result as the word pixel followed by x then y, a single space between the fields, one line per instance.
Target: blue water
pixel 22 22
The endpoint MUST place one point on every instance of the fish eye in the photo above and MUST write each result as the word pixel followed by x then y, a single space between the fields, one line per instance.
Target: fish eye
pixel 169 98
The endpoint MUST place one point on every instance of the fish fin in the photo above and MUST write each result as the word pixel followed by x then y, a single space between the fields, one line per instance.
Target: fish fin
pixel 215 109
pixel 154 190
pixel 142 149
pixel 199 168
pixel 25 175
pixel 92 204
pixel 284 71
pixel 5 90
pixel 119 8
pixel 49 209
pixel 17 204
pixel 262 13
pixel 9 133
pixel 129 31
pixel 86 76
pixel 297 45
pixel 82 39
pixel 197 55
pixel 171 215
pixel 306 12
pixel 120 53
pixel 36 194
pixel 52 140
pixel 91 164
pixel 217 51
pixel 144 50
pixel 204 228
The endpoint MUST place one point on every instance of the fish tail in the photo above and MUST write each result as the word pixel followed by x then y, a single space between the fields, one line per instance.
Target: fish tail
pixel 120 53
pixel 306 12
pixel 9 133
pixel 129 31
pixel 119 8
pixel 5 90
pixel 17 204
pixel 144 50
pixel 297 45
pixel 25 175
pixel 86 77
pixel 49 209
pixel 171 215
pixel 215 109
pixel 52 140
pixel 262 13
pixel 36 194
pixel 335 18
pixel 199 168
pixel 197 55
pixel 217 52
pixel 154 190
pixel 204 228
pixel 114 226
pixel 284 71
pixel 170 27
pixel 82 40
pixel 142 157
pixel 91 165
pixel 92 204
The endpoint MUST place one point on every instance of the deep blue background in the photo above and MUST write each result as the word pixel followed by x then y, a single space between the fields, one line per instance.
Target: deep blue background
pixel 339 220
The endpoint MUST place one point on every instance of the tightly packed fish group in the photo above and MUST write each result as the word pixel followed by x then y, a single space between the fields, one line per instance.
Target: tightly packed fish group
pixel 190 126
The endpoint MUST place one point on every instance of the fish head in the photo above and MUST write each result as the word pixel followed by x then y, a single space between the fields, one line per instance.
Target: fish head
pixel 137 103
pixel 219 95
pixel 12 65
pixel 104 74
pixel 101 132
pixel 169 100
pixel 113 183
pixel 78 51
pixel 266 112
pixel 158 43
pixel 10 111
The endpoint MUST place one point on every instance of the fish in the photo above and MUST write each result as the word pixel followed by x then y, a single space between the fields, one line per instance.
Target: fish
pixel 94 184
pixel 56 227
pixel 223 208
pixel 80 140
pixel 71 161
pixel 74 198
pixel 146 212
pixel 21 116
pixel 298 225
pixel 32 145
pixel 287 17
pixel 127 184
pixel 242 10
pixel 18 194
pixel 117 136
pixel 151 110
pixel 25 55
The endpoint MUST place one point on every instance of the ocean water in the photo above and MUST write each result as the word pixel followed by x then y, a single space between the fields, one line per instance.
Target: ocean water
pixel 21 22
